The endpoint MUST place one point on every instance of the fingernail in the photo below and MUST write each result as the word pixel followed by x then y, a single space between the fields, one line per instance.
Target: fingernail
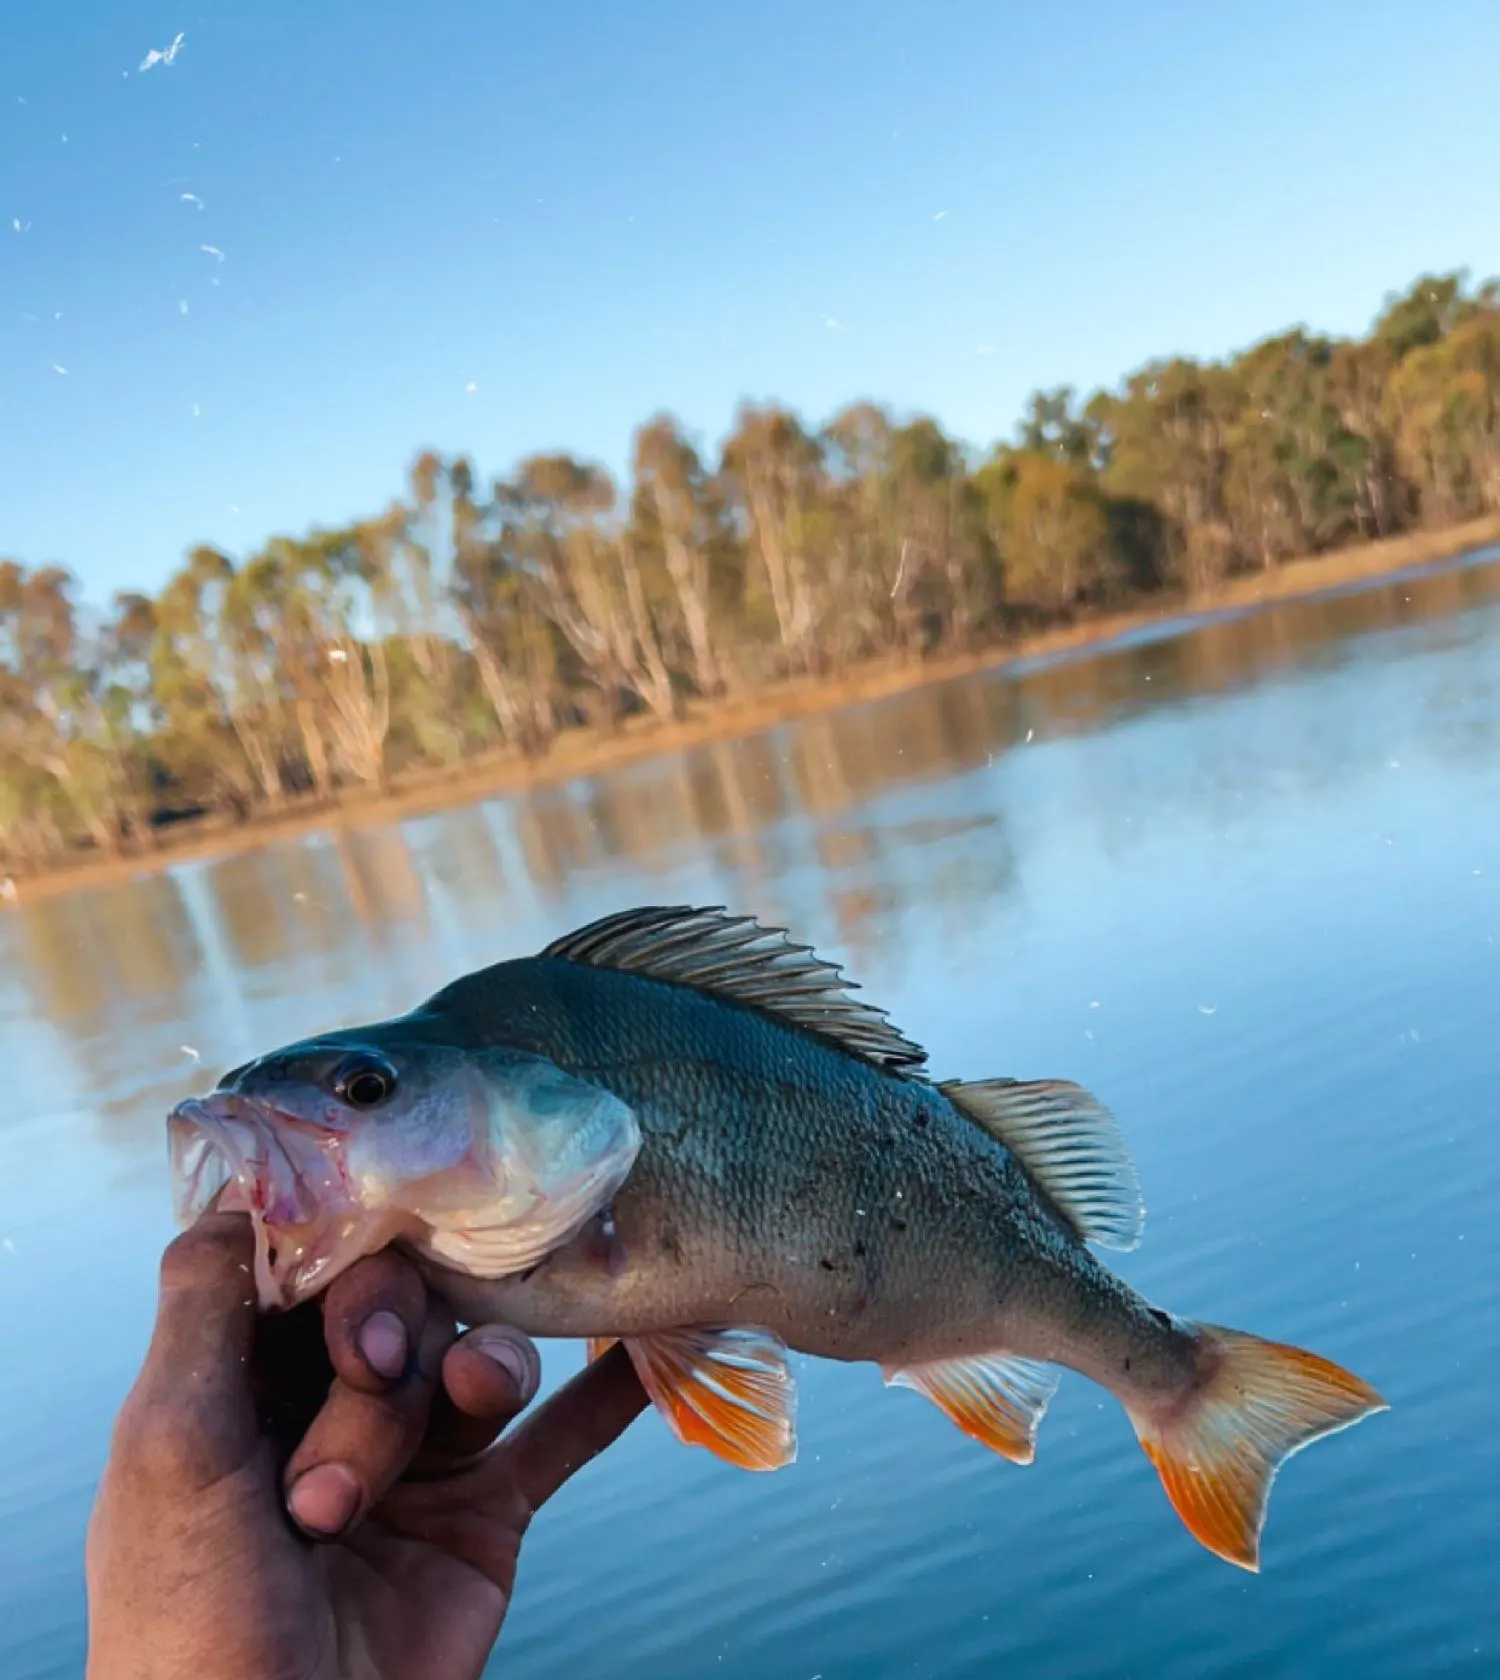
pixel 324 1499
pixel 382 1340
pixel 509 1354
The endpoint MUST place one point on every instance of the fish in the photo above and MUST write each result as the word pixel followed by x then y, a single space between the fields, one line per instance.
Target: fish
pixel 678 1129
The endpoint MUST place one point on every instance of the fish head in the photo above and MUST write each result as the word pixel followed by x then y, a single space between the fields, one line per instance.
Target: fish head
pixel 338 1146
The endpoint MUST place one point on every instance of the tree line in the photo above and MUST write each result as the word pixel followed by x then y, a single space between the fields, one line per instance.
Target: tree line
pixel 472 617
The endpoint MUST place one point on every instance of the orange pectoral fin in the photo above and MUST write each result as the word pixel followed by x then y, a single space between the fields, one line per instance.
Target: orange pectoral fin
pixel 997 1401
pixel 728 1389
pixel 598 1346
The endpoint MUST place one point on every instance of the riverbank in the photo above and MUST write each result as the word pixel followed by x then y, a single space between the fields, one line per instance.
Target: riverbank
pixel 582 753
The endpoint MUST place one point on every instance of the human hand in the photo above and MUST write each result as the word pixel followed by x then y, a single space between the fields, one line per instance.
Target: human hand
pixel 368 1422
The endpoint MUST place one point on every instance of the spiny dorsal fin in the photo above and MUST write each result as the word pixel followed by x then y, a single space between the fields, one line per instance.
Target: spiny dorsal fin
pixel 1070 1144
pixel 735 958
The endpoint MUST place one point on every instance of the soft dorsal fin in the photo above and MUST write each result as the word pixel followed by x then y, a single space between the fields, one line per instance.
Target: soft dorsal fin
pixel 1070 1144
pixel 735 958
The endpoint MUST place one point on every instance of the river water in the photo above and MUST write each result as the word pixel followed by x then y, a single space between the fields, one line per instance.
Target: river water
pixel 1242 880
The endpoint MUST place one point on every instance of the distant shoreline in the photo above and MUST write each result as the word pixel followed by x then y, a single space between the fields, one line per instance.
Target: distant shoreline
pixel 584 752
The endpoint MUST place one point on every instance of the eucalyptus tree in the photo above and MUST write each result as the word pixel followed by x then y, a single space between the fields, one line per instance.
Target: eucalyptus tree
pixel 773 470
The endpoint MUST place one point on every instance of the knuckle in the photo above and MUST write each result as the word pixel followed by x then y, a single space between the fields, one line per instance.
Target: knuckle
pixel 159 1446
pixel 208 1253
pixel 149 1439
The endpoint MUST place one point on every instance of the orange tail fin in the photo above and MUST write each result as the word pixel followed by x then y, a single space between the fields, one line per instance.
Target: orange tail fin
pixel 1217 1452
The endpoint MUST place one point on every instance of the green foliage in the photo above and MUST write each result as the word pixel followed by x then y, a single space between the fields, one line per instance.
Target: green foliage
pixel 468 618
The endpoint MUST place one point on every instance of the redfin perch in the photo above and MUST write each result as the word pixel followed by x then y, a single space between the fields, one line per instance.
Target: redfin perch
pixel 677 1129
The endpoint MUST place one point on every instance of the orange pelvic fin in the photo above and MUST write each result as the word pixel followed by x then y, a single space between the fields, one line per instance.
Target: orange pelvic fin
pixel 998 1401
pixel 1217 1451
pixel 598 1346
pixel 728 1389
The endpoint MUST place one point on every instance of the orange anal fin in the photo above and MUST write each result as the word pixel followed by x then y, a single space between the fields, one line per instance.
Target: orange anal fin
pixel 728 1389
pixel 1218 1449
pixel 598 1346
pixel 996 1400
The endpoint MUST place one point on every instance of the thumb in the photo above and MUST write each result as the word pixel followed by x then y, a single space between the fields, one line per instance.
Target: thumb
pixel 193 1396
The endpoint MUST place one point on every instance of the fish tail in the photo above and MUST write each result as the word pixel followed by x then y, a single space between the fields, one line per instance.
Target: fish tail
pixel 1217 1448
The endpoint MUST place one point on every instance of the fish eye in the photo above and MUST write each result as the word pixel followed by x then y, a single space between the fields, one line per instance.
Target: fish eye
pixel 364 1083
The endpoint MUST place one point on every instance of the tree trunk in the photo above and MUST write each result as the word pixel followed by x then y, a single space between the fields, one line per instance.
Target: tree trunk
pixel 314 747
pixel 685 570
pixel 654 682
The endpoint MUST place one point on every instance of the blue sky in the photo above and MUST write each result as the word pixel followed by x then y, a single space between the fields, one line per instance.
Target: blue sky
pixel 592 212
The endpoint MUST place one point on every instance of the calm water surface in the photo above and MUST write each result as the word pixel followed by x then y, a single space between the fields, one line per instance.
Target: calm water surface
pixel 1245 883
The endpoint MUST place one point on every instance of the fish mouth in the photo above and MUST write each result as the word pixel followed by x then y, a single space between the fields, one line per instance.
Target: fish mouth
pixel 242 1154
